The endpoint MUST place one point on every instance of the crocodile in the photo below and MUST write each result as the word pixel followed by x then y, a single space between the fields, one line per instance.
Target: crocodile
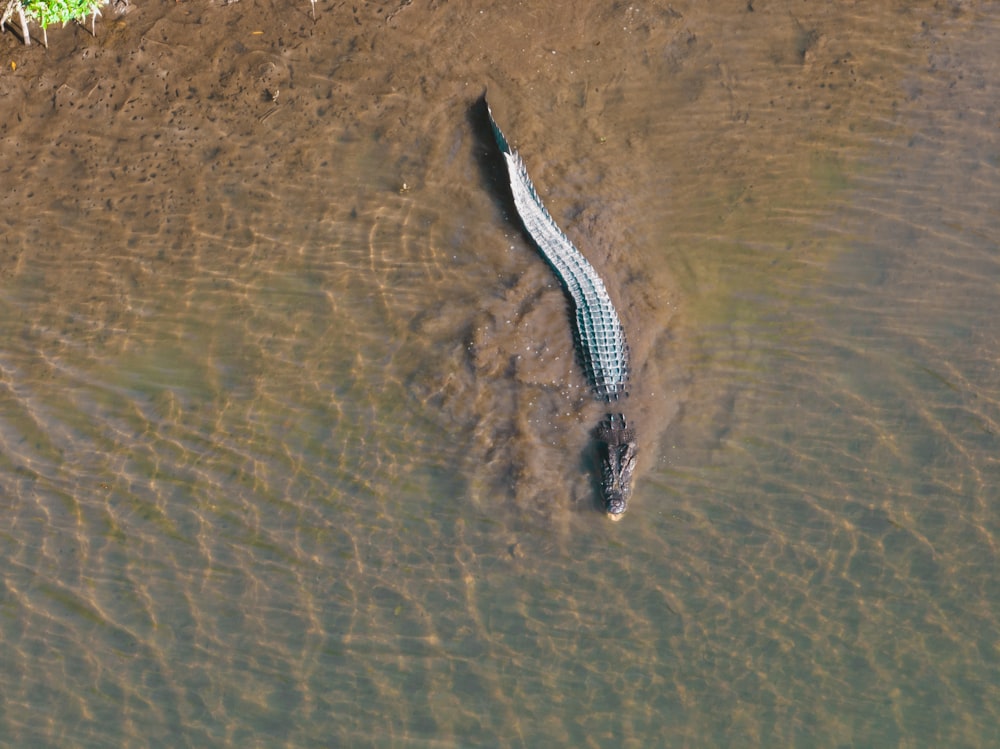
pixel 597 330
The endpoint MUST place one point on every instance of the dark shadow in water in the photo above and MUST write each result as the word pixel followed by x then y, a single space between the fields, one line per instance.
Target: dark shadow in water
pixel 590 462
pixel 487 156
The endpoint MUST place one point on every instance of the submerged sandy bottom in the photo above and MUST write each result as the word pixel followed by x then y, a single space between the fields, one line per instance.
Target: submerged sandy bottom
pixel 294 448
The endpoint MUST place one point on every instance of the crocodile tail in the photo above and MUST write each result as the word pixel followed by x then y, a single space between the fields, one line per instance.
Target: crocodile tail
pixel 598 334
pixel 497 133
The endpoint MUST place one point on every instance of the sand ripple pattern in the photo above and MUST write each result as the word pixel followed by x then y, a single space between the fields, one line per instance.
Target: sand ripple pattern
pixel 281 408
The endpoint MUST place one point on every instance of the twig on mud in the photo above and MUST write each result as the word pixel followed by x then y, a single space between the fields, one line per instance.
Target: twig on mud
pixel 154 41
pixel 268 114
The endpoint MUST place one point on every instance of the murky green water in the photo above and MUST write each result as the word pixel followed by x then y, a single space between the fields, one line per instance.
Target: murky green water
pixel 293 447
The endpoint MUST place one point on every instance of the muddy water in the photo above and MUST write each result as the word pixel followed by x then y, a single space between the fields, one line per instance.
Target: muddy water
pixel 293 446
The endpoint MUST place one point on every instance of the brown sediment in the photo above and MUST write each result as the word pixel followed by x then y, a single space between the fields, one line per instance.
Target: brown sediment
pixel 286 401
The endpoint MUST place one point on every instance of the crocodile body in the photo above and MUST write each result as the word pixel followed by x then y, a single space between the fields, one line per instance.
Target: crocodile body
pixel 598 332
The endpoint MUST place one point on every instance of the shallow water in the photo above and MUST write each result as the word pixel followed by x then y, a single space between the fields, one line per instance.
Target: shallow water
pixel 293 446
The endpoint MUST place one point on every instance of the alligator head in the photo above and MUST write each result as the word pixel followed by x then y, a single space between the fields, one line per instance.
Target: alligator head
pixel 617 455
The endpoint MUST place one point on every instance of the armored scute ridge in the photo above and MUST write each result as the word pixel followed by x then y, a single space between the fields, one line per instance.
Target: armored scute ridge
pixel 599 335
pixel 598 332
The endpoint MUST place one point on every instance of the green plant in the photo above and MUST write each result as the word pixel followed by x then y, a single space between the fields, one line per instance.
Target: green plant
pixel 44 12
